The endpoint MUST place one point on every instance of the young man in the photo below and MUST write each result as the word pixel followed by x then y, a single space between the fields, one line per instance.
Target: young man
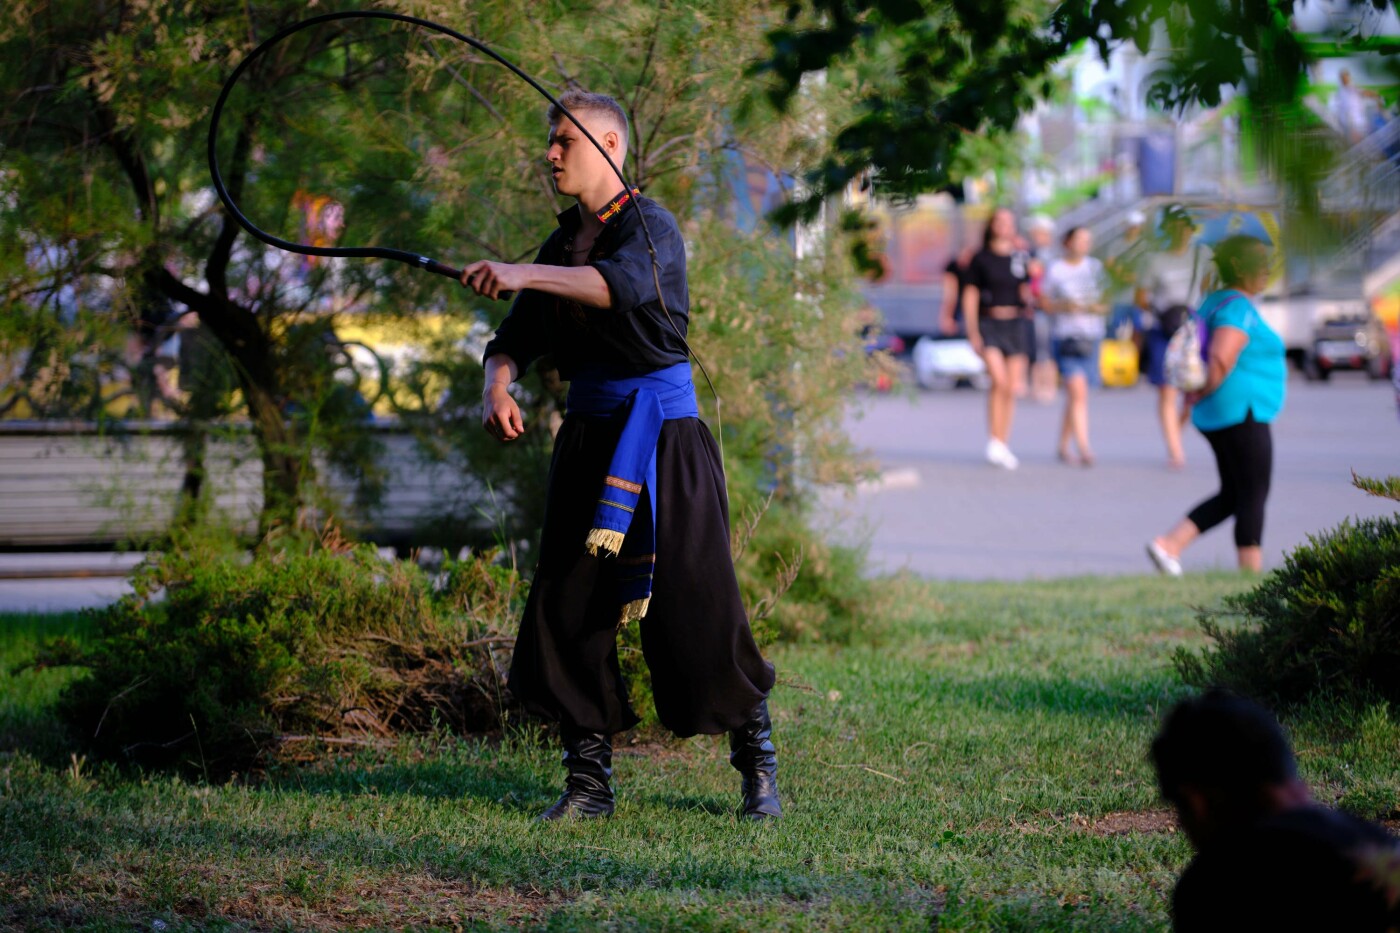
pixel 636 523
pixel 1267 856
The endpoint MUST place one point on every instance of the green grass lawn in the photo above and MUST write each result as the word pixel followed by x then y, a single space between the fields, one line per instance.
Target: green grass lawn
pixel 978 764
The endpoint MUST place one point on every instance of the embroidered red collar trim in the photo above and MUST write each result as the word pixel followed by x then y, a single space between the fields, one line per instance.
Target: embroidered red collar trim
pixel 618 203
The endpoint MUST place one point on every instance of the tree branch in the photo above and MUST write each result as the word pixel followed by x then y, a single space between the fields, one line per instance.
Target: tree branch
pixel 202 304
pixel 216 269
pixel 457 76
pixel 132 163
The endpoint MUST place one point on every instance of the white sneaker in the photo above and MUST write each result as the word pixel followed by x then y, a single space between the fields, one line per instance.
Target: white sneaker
pixel 998 454
pixel 1165 562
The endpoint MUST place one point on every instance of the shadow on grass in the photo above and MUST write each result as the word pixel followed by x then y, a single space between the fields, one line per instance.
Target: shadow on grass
pixel 1085 697
pixel 28 720
pixel 697 912
pixel 506 782
pixel 489 776
pixel 1020 692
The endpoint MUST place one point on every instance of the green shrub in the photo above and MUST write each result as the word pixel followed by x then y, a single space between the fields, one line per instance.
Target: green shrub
pixel 1327 622
pixel 798 586
pixel 241 654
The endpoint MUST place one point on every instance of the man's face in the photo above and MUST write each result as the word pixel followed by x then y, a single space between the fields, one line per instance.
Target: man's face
pixel 576 163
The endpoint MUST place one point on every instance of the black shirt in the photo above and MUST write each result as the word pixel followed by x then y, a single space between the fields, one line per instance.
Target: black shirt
pixel 999 278
pixel 629 338
pixel 957 271
pixel 1307 869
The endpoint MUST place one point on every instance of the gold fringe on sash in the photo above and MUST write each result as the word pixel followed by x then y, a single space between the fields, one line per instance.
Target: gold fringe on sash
pixel 607 540
pixel 636 609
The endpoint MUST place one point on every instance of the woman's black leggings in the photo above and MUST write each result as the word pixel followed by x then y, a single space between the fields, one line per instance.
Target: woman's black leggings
pixel 1244 454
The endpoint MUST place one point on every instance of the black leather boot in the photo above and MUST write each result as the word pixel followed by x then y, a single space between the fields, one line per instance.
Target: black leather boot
pixel 751 752
pixel 587 792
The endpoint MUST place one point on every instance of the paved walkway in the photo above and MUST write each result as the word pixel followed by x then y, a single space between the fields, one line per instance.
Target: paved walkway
pixel 63 582
pixel 941 511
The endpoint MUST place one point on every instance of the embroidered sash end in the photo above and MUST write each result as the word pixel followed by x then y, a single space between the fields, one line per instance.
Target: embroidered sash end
pixel 636 609
pixel 605 539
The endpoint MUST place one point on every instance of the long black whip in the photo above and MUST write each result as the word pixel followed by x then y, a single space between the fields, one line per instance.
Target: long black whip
pixel 414 259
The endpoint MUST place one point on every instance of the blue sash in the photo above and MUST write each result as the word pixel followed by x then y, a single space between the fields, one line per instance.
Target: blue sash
pixel 643 402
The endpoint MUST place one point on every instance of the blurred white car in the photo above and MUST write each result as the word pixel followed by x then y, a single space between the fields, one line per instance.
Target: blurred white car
pixel 947 363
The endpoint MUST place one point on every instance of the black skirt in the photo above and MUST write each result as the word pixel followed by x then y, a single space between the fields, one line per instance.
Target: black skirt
pixel 707 673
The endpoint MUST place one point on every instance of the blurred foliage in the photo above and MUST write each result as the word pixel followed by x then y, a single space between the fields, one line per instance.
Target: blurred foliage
pixel 925 80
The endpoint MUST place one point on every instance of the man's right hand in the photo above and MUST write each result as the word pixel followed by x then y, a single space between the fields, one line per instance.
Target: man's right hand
pixel 500 415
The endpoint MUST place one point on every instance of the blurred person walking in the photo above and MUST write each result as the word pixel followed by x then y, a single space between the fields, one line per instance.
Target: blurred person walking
pixel 1395 364
pixel 1351 106
pixel 1166 294
pixel 1124 268
pixel 1246 377
pixel 954 280
pixel 1073 294
pixel 1043 251
pixel 994 302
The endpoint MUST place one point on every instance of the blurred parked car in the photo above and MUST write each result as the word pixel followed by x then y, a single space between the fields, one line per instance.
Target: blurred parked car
pixel 947 363
pixel 1356 342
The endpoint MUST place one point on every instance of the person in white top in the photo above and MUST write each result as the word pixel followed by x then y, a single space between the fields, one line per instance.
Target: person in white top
pixel 1167 293
pixel 1351 107
pixel 1074 294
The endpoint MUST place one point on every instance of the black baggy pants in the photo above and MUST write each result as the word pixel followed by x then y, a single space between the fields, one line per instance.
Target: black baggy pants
pixel 707 673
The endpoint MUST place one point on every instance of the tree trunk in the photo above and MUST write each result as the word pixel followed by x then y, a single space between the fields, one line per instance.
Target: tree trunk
pixel 281 460
pixel 239 332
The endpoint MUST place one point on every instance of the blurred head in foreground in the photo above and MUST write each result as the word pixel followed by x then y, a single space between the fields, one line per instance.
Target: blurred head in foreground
pixel 1224 762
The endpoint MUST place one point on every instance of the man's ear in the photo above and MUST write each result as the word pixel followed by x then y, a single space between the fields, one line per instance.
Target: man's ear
pixel 1197 815
pixel 1196 804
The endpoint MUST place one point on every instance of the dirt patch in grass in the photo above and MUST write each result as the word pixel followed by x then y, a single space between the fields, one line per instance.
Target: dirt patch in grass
pixel 1134 821
pixel 653 750
pixel 393 901
pixel 1110 824
pixel 279 898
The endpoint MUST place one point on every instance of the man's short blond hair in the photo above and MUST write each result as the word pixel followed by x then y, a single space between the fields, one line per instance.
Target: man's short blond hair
pixel 585 102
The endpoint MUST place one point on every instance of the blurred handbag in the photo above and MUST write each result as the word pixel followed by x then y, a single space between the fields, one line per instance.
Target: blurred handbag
pixel 1169 320
pixel 1078 347
pixel 1184 363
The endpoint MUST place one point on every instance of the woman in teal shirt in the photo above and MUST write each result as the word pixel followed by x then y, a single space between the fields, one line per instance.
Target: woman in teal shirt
pixel 1246 377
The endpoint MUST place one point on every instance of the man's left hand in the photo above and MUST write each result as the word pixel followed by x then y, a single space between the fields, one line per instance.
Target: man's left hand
pixel 494 279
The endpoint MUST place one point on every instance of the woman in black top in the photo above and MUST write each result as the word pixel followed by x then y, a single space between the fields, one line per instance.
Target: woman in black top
pixel 994 299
